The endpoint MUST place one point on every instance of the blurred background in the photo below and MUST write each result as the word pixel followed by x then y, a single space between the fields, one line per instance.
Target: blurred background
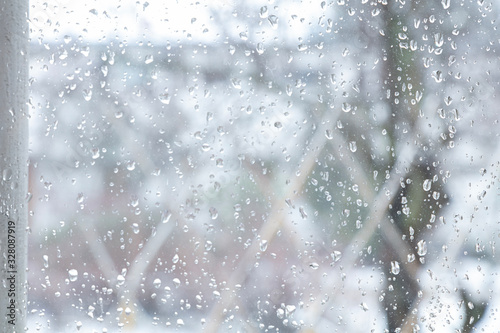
pixel 264 166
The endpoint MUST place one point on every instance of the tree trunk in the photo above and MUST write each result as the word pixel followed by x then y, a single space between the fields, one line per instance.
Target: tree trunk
pixel 13 164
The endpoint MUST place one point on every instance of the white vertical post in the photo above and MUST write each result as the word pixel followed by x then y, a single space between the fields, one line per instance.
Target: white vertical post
pixel 13 164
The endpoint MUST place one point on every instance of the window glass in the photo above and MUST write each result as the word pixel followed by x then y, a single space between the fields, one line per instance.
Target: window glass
pixel 264 166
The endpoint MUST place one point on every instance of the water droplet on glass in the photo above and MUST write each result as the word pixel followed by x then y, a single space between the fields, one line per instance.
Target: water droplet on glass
pixel 104 70
pixel 427 184
pixel 157 283
pixel 260 48
pixel 79 325
pixel 236 83
pixel 263 12
pixel 413 45
pixel 436 195
pixel 395 269
pixel 165 216
pixel 438 39
pixel 135 228
pixel 346 107
pixel 95 153
pixel 303 213
pixel 329 134
pixel 213 213
pixel 164 98
pixel 6 175
pixel 176 282
pixel 290 309
pixel 120 280
pixel 418 96
pixel 148 59
pixel 243 35
pixel 73 275
pixel 87 94
pixel 263 245
pixel 45 261
pixel 448 100
pixel 273 20
pixel 437 75
pixel 175 259
pixel 352 146
pixel 130 165
pixel 422 248
pixel 336 255
pixel 446 3
pixel 314 265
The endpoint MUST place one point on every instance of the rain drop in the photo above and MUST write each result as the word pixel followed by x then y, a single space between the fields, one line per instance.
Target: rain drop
pixel 395 269
pixel 422 248
pixel 148 59
pixel 236 83
pixel 290 309
pixel 446 3
pixel 427 184
pixel 314 265
pixel 302 47
pixel 437 75
pixel 260 48
pixel 175 259
pixel 346 107
pixel 73 275
pixel 87 94
pixel 131 166
pixel 213 213
pixel 120 280
pixel 273 20
pixel 95 153
pixel 165 216
pixel 263 12
pixel 6 175
pixel 263 245
pixel 303 213
pixel 164 98
pixel 352 146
